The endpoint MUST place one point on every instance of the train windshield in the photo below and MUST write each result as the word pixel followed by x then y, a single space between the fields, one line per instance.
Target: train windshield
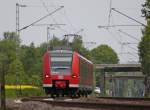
pixel 61 63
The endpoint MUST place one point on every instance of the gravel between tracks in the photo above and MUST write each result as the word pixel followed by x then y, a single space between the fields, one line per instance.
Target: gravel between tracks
pixel 34 105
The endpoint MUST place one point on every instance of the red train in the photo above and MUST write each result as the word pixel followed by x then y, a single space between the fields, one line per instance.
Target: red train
pixel 66 72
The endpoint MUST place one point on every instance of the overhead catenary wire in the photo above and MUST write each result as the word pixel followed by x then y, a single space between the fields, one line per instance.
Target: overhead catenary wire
pixel 47 24
pixel 114 36
pixel 79 31
pixel 118 25
pixel 109 16
pixel 41 18
pixel 132 48
pixel 119 40
pixel 65 16
pixel 129 53
pixel 128 43
pixel 129 46
pixel 46 8
pixel 38 6
pixel 125 33
pixel 128 16
pixel 110 19
pixel 68 20
pixel 114 26
pixel 44 5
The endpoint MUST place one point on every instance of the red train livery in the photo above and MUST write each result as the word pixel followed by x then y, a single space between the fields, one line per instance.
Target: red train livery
pixel 66 72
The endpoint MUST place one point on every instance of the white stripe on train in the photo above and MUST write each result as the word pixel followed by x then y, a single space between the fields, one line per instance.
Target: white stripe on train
pixel 70 85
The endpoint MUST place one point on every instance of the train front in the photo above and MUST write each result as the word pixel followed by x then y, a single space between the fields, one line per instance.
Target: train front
pixel 58 77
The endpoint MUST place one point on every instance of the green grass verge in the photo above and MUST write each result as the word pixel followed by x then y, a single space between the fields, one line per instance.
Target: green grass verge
pixel 12 93
pixel 8 109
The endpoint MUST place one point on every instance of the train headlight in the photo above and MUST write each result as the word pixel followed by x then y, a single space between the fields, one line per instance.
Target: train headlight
pixel 47 76
pixel 74 76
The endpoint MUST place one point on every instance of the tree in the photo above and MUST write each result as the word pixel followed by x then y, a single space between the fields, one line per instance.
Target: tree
pixel 144 53
pixel 30 58
pixel 11 77
pixel 145 10
pixel 11 36
pixel 144 48
pixel 55 42
pixel 3 61
pixel 42 48
pixel 29 62
pixel 7 55
pixel 104 54
pixel 8 48
pixel 77 45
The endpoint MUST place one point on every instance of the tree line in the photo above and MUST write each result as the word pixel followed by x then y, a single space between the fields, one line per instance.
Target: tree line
pixel 28 59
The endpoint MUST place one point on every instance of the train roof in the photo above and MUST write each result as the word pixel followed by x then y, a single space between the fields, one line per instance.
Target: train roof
pixel 60 48
pixel 67 50
pixel 85 58
pixel 61 51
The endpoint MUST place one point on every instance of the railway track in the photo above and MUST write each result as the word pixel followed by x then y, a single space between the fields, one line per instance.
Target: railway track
pixel 126 98
pixel 96 103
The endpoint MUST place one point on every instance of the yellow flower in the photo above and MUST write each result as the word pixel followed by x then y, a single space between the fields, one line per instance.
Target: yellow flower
pixel 20 86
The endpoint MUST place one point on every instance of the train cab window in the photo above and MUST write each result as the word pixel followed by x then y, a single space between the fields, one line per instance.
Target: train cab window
pixel 61 63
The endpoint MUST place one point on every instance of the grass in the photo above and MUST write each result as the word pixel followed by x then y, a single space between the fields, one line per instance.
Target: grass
pixel 11 93
pixel 8 108
pixel 25 91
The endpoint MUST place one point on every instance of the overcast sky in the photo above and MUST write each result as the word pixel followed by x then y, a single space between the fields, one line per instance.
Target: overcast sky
pixel 77 15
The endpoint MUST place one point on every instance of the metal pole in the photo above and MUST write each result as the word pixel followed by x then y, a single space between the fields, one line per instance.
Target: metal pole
pixel 102 82
pixel 17 32
pixel 94 82
pixel 2 79
pixel 17 50
pixel 47 37
pixel 113 90
pixel 17 19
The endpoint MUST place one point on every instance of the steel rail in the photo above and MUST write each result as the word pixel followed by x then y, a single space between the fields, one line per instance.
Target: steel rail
pixel 126 98
pixel 96 104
